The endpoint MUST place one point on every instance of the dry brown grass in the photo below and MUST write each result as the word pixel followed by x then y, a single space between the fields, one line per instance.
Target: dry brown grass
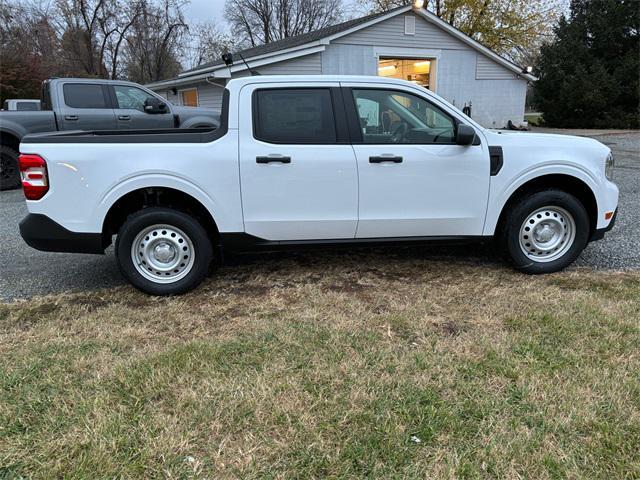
pixel 327 365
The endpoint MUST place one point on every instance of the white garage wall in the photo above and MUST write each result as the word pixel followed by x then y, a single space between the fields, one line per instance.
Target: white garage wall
pixel 494 101
pixel 340 59
pixel 463 74
pixel 391 33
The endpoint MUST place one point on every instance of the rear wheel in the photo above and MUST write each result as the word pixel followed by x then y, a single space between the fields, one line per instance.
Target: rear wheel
pixel 545 231
pixel 162 251
pixel 9 170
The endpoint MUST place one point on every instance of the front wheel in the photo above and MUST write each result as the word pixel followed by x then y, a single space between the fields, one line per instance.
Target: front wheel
pixel 162 251
pixel 545 231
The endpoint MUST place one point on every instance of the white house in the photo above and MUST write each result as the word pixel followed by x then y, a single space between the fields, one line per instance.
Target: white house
pixel 406 42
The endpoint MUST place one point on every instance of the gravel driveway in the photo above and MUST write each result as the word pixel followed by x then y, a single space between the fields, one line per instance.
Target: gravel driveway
pixel 26 272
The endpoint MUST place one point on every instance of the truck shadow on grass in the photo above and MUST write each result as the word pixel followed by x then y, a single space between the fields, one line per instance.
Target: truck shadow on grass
pixel 477 254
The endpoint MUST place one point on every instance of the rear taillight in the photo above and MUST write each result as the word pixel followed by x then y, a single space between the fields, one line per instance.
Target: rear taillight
pixel 33 170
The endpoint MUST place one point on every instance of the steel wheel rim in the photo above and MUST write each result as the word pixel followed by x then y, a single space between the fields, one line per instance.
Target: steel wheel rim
pixel 162 253
pixel 547 234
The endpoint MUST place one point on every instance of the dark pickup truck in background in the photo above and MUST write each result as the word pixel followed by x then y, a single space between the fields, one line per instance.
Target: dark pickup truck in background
pixel 92 104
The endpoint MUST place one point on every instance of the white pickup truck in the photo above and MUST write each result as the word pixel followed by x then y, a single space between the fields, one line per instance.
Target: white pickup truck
pixel 304 160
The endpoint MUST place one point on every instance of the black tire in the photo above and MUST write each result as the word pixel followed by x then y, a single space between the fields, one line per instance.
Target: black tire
pixel 522 210
pixel 9 169
pixel 202 251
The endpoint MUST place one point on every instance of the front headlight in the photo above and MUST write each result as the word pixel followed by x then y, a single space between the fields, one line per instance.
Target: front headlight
pixel 609 165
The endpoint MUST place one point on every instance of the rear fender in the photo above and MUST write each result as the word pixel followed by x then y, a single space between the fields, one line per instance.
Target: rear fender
pixel 149 180
pixel 198 121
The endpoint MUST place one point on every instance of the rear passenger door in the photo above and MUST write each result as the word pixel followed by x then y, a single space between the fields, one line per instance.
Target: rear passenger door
pixel 298 171
pixel 86 106
pixel 129 107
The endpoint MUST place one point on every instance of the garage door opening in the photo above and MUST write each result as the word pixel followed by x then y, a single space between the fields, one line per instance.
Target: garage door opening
pixel 415 70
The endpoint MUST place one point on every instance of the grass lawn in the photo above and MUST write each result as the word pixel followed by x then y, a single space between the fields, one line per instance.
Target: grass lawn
pixel 533 118
pixel 373 365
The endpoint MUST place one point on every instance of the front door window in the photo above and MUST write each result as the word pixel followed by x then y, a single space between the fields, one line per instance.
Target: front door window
pixel 391 116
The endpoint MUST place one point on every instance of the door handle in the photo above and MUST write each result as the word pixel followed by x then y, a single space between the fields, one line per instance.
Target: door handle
pixel 71 117
pixel 124 117
pixel 273 158
pixel 385 158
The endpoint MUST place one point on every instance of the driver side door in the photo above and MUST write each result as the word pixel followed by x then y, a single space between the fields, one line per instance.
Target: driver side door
pixel 414 180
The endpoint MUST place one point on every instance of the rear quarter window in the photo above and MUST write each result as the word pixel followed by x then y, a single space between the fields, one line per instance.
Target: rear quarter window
pixel 27 106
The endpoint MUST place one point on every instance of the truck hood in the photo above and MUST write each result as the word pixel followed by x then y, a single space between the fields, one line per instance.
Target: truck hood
pixel 545 140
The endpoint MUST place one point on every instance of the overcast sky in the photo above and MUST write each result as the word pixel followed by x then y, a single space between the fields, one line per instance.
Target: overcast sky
pixel 199 11
pixel 205 11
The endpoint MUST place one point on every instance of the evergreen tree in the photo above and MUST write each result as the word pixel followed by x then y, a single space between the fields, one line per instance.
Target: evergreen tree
pixel 590 75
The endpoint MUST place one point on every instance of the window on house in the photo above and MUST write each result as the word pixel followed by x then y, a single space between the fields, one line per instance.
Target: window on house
pixel 294 116
pixel 415 70
pixel 189 97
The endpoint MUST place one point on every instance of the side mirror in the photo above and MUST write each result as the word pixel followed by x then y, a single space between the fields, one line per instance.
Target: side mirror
pixel 466 135
pixel 154 105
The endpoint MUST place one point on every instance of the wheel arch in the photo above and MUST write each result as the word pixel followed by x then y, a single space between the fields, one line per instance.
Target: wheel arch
pixel 10 139
pixel 156 196
pixel 568 183
pixel 200 121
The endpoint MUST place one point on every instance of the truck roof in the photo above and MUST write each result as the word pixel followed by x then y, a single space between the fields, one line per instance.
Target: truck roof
pixel 89 80
pixel 316 78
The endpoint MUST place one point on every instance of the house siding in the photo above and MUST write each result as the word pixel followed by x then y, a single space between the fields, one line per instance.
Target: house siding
pixel 494 101
pixel 340 59
pixel 307 65
pixel 210 96
pixel 487 69
pixel 391 33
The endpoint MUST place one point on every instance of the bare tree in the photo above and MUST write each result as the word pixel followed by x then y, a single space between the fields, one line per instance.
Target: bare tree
pixel 79 23
pixel 156 42
pixel 264 21
pixel 114 29
pixel 208 43
pixel 28 49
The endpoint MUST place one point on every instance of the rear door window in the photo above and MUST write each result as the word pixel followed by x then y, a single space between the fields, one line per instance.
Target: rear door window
pixel 294 116
pixel 84 95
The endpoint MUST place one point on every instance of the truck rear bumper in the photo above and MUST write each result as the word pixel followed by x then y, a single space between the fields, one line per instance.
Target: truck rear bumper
pixel 42 233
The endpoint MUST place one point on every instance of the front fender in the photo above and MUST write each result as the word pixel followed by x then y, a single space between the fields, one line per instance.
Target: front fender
pixel 503 188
